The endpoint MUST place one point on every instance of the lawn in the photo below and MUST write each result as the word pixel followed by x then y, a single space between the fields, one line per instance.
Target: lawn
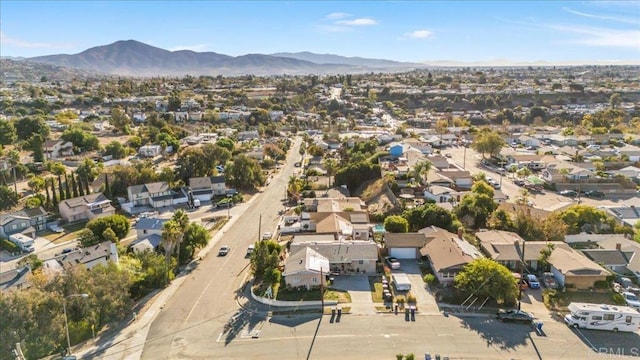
pixel 285 294
pixel 561 301
pixel 376 289
pixel 71 233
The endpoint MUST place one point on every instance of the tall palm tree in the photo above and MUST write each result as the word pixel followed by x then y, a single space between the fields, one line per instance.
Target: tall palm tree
pixel 170 236
pixel 181 218
pixel 422 168
pixel 294 186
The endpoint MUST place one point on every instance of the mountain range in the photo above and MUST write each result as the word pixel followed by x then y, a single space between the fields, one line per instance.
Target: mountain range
pixel 134 58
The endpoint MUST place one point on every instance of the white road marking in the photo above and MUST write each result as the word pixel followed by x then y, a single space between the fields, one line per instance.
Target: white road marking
pixel 205 290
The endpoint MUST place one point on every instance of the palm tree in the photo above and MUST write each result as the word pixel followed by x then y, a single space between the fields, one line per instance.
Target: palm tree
pixel 170 236
pixel 423 168
pixel 294 186
pixel 181 218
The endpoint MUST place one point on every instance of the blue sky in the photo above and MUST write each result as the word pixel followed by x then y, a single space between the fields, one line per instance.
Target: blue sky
pixel 420 31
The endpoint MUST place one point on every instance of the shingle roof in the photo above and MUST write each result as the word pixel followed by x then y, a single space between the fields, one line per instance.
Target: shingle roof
pixel 404 240
pixel 447 251
pixel 345 251
pixel 607 257
pixel 307 260
pixel 150 224
pixel 570 262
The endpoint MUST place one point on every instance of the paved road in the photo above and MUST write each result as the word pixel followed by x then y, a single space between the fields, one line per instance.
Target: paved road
pixel 205 301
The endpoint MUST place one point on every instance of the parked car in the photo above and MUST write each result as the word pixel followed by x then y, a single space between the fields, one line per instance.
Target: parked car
pixel 594 194
pixel 224 250
pixel 532 281
pixel 569 193
pixel 515 316
pixel 518 182
pixel 267 236
pixel 627 285
pixel 250 249
pixel 392 262
pixel 549 280
pixel 631 299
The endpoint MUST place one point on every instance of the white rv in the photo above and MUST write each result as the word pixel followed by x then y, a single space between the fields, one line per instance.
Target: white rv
pixel 24 242
pixel 401 281
pixel 603 317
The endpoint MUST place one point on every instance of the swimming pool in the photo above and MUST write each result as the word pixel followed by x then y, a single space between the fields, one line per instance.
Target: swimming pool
pixel 379 228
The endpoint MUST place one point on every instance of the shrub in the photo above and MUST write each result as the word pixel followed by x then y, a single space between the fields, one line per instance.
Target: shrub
pixel 601 284
pixel 430 279
pixel 411 299
pixel 618 299
pixel 9 246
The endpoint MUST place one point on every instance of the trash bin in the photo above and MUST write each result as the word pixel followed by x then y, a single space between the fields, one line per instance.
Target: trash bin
pixel 333 312
pixel 339 311
pixel 427 356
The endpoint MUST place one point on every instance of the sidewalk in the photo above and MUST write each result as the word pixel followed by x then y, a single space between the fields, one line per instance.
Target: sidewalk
pixel 128 343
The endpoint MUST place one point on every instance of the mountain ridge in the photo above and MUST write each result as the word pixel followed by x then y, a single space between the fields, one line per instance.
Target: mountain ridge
pixel 134 58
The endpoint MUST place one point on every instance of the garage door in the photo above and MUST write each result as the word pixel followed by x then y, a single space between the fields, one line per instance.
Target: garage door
pixel 403 253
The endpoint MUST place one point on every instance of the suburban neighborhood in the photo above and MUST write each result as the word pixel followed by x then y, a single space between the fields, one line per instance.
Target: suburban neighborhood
pixel 392 203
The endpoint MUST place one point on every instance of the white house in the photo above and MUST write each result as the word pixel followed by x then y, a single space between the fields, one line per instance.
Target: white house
pixel 57 148
pixel 150 151
pixel 441 194
pixel 155 195
pixel 204 188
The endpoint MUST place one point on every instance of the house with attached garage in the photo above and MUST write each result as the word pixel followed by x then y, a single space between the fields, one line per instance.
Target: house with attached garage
pixel 27 222
pixel 55 149
pixel 441 194
pixel 448 253
pixel 345 256
pixel 306 268
pixel 404 245
pixel 84 208
pixel 456 179
pixel 205 188
pixel 154 195
pixel 89 257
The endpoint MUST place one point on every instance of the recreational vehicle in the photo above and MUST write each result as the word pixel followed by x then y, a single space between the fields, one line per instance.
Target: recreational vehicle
pixel 603 317
pixel 401 281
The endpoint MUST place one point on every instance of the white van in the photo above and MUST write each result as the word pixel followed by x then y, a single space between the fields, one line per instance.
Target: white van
pixel 401 281
pixel 250 249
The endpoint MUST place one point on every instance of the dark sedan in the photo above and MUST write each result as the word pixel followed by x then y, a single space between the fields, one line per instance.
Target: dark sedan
pixel 518 316
pixel 594 194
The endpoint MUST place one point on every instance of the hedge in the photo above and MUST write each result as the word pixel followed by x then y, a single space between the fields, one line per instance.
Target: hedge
pixel 9 246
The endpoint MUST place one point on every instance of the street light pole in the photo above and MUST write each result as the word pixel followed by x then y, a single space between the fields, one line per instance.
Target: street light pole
pixel 66 321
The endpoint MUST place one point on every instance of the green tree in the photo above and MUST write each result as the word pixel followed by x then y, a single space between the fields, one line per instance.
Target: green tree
pixel 29 126
pixel 170 237
pixel 81 139
pixel 115 149
pixel 181 219
pixel 545 253
pixel 396 224
pixel 226 143
pixel 586 218
pixel 422 216
pixel 118 223
pixel 36 183
pixel 8 198
pixel 245 173
pixel 74 185
pixel 421 169
pixel 488 142
pixel 195 237
pixel 8 132
pixel 486 278
pixel 615 100
pixel 36 144
pixel 54 197
pixel 119 120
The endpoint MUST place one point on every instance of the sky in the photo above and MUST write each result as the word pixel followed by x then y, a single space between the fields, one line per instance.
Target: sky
pixel 416 31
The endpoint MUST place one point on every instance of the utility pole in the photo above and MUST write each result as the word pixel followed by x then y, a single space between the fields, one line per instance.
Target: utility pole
pixel 260 228
pixel 522 266
pixel 464 158
pixel 321 291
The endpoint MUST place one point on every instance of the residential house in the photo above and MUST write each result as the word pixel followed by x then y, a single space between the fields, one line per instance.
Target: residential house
pixel 533 162
pixel 563 171
pixel 441 194
pixel 447 253
pixel 345 257
pixel 150 151
pixel 90 256
pixel 439 162
pixel 84 208
pixel 630 172
pixel 528 141
pixel 155 195
pixel 626 215
pixel 457 179
pixel 27 222
pixel 507 248
pixel 248 135
pixel 404 245
pixel 15 279
pixel 205 188
pixel 631 151
pixel 148 234
pixel 55 149
pixel 614 260
pixel 306 268
pixel 573 270
pixel 397 149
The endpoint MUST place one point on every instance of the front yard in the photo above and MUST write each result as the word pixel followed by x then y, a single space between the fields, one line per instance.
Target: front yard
pixel 559 301
pixel 280 292
pixel 71 233
pixel 375 284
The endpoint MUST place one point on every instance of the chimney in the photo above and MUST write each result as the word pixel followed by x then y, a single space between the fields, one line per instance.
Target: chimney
pixel 618 246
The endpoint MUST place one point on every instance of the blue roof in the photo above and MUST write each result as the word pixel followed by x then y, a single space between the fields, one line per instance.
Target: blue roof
pixel 150 223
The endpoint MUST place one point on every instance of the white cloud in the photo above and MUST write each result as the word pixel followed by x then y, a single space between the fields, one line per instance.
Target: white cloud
pixel 357 22
pixel 418 34
pixel 601 17
pixel 602 37
pixel 7 40
pixel 195 47
pixel 337 15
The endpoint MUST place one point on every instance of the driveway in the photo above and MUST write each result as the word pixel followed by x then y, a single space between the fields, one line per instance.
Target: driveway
pixel 426 300
pixel 359 290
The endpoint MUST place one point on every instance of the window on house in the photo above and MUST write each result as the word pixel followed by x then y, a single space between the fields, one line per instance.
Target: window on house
pixel 360 262
pixel 144 231
pixel 14 226
pixel 314 280
pixel 609 317
pixel 24 225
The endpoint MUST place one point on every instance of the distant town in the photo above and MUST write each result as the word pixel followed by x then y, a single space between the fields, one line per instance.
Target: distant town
pixel 320 216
